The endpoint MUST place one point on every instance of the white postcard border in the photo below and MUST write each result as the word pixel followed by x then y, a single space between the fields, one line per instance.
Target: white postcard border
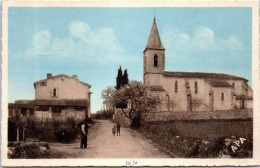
pixel 140 162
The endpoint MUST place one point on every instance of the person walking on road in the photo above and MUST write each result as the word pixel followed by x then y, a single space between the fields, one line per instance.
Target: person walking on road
pixel 114 130
pixel 118 128
pixel 84 132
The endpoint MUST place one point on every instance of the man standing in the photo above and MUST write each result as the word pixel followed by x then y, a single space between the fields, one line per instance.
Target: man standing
pixel 118 128
pixel 84 132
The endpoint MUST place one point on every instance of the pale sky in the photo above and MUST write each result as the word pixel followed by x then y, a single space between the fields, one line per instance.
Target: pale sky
pixel 93 42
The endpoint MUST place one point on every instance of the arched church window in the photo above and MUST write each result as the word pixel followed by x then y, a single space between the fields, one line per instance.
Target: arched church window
pixel 176 86
pixel 196 87
pixel 222 96
pixel 155 61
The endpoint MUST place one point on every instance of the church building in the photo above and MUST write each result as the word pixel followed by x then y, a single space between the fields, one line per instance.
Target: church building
pixel 191 91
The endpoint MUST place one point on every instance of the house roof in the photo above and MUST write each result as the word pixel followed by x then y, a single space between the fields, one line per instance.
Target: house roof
pixel 10 105
pixel 201 75
pixel 218 83
pixel 156 88
pixel 154 41
pixel 24 101
pixel 22 104
pixel 63 102
pixel 60 75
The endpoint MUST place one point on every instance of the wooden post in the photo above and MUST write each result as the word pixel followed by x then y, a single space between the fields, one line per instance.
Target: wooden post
pixel 23 135
pixel 17 134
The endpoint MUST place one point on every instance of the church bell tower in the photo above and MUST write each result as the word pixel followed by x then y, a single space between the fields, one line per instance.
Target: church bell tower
pixel 154 59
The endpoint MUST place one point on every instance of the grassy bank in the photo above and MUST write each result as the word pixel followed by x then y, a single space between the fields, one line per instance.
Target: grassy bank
pixel 200 139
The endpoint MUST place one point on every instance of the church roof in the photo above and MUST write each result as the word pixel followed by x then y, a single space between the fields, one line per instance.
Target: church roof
pixel 201 75
pixel 218 83
pixel 154 41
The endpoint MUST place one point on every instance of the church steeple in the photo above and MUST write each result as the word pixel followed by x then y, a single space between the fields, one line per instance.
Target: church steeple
pixel 154 59
pixel 154 41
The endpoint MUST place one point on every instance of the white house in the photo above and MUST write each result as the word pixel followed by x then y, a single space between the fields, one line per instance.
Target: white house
pixel 62 96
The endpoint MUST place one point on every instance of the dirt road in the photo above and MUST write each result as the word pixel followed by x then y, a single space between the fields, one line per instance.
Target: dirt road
pixel 102 144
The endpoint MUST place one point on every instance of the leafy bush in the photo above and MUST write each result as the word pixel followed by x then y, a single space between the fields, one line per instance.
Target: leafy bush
pixel 55 130
pixel 67 131
pixel 176 137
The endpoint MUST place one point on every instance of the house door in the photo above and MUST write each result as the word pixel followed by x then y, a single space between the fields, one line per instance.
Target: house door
pixel 23 111
pixel 211 102
pixel 189 104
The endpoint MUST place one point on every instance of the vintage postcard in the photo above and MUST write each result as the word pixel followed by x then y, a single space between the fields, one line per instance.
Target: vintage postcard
pixel 127 83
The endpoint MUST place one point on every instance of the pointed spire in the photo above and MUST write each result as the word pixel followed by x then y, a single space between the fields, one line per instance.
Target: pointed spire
pixel 154 41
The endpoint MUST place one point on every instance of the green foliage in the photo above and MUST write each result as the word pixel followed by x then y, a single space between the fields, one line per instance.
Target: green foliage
pixel 107 96
pixel 121 79
pixel 184 140
pixel 139 99
pixel 67 131
pixel 50 131
pixel 125 78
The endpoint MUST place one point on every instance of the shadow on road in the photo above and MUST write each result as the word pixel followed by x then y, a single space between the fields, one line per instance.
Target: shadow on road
pixel 81 148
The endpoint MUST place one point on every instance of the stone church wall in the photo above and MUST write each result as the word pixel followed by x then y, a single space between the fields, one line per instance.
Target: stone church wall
pixel 187 87
pixel 249 103
pixel 227 102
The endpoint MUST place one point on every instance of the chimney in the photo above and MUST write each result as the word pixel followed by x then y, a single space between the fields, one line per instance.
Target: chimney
pixel 49 75
pixel 74 76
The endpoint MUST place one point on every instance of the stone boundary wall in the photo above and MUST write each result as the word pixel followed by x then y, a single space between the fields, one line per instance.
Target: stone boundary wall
pixel 199 115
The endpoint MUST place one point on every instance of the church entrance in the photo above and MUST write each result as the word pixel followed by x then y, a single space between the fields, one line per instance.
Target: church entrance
pixel 189 103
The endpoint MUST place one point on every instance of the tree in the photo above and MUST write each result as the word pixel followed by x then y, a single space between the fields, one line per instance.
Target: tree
pixel 107 97
pixel 119 79
pixel 125 78
pixel 139 101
